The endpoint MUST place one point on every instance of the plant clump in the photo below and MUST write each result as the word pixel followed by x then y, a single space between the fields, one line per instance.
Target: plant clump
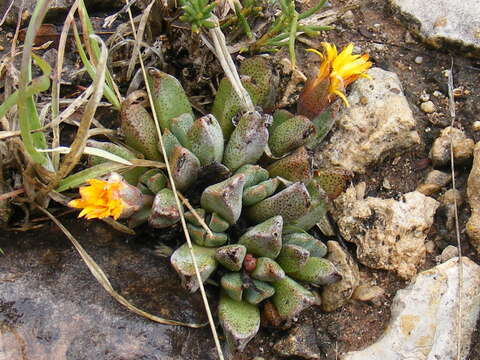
pixel 269 191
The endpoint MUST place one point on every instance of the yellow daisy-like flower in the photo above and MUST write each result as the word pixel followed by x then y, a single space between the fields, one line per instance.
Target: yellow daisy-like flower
pixel 100 199
pixel 340 68
pixel 335 73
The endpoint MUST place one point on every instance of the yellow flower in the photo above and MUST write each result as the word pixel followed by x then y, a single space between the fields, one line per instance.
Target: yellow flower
pixel 100 200
pixel 340 69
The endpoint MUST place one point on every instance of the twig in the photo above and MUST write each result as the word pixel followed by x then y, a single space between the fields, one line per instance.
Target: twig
pixel 6 12
pixel 139 39
pixel 195 214
pixel 72 158
pixel 457 226
pixel 11 194
pixel 179 206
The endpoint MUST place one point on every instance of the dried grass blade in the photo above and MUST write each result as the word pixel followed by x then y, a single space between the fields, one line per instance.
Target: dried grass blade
pixel 90 151
pixel 118 226
pixel 179 206
pixel 139 39
pixel 451 104
pixel 108 92
pixel 92 46
pixel 80 177
pixel 148 163
pixel 57 76
pixel 194 213
pixel 223 55
pixel 102 278
pixel 78 145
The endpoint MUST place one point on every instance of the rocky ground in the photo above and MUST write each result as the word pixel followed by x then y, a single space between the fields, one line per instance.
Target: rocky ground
pixel 397 220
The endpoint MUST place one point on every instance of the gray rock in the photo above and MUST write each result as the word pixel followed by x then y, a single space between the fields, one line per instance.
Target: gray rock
pixel 438 177
pixel 378 123
pixel 389 234
pixel 53 308
pixel 441 22
pixel 300 342
pixel 473 192
pixel 424 317
pixel 462 147
pixel 448 253
pixel 434 182
pixel 337 294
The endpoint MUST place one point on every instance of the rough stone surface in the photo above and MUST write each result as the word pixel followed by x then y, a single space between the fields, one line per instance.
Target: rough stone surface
pixel 300 343
pixel 337 294
pixel 51 307
pixel 389 234
pixel 473 192
pixel 379 123
pixel 424 320
pixel 440 22
pixel 462 147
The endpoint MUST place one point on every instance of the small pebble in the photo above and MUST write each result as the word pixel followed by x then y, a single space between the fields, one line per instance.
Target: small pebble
pixel 419 60
pixel 386 184
pixel 448 253
pixel 1 48
pixel 451 196
pixel 438 177
pixel 476 126
pixel 409 39
pixel 437 93
pixel 349 18
pixel 368 293
pixel 428 189
pixel 430 247
pixel 424 96
pixel 427 107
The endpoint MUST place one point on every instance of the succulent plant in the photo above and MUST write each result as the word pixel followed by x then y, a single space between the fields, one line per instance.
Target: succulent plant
pixel 250 225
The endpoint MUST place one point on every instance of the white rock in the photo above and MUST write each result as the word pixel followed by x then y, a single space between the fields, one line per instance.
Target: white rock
pixel 419 60
pixel 424 320
pixel 389 234
pixel 473 192
pixel 424 96
pixel 378 123
pixel 427 107
pixel 440 23
pixel 448 253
